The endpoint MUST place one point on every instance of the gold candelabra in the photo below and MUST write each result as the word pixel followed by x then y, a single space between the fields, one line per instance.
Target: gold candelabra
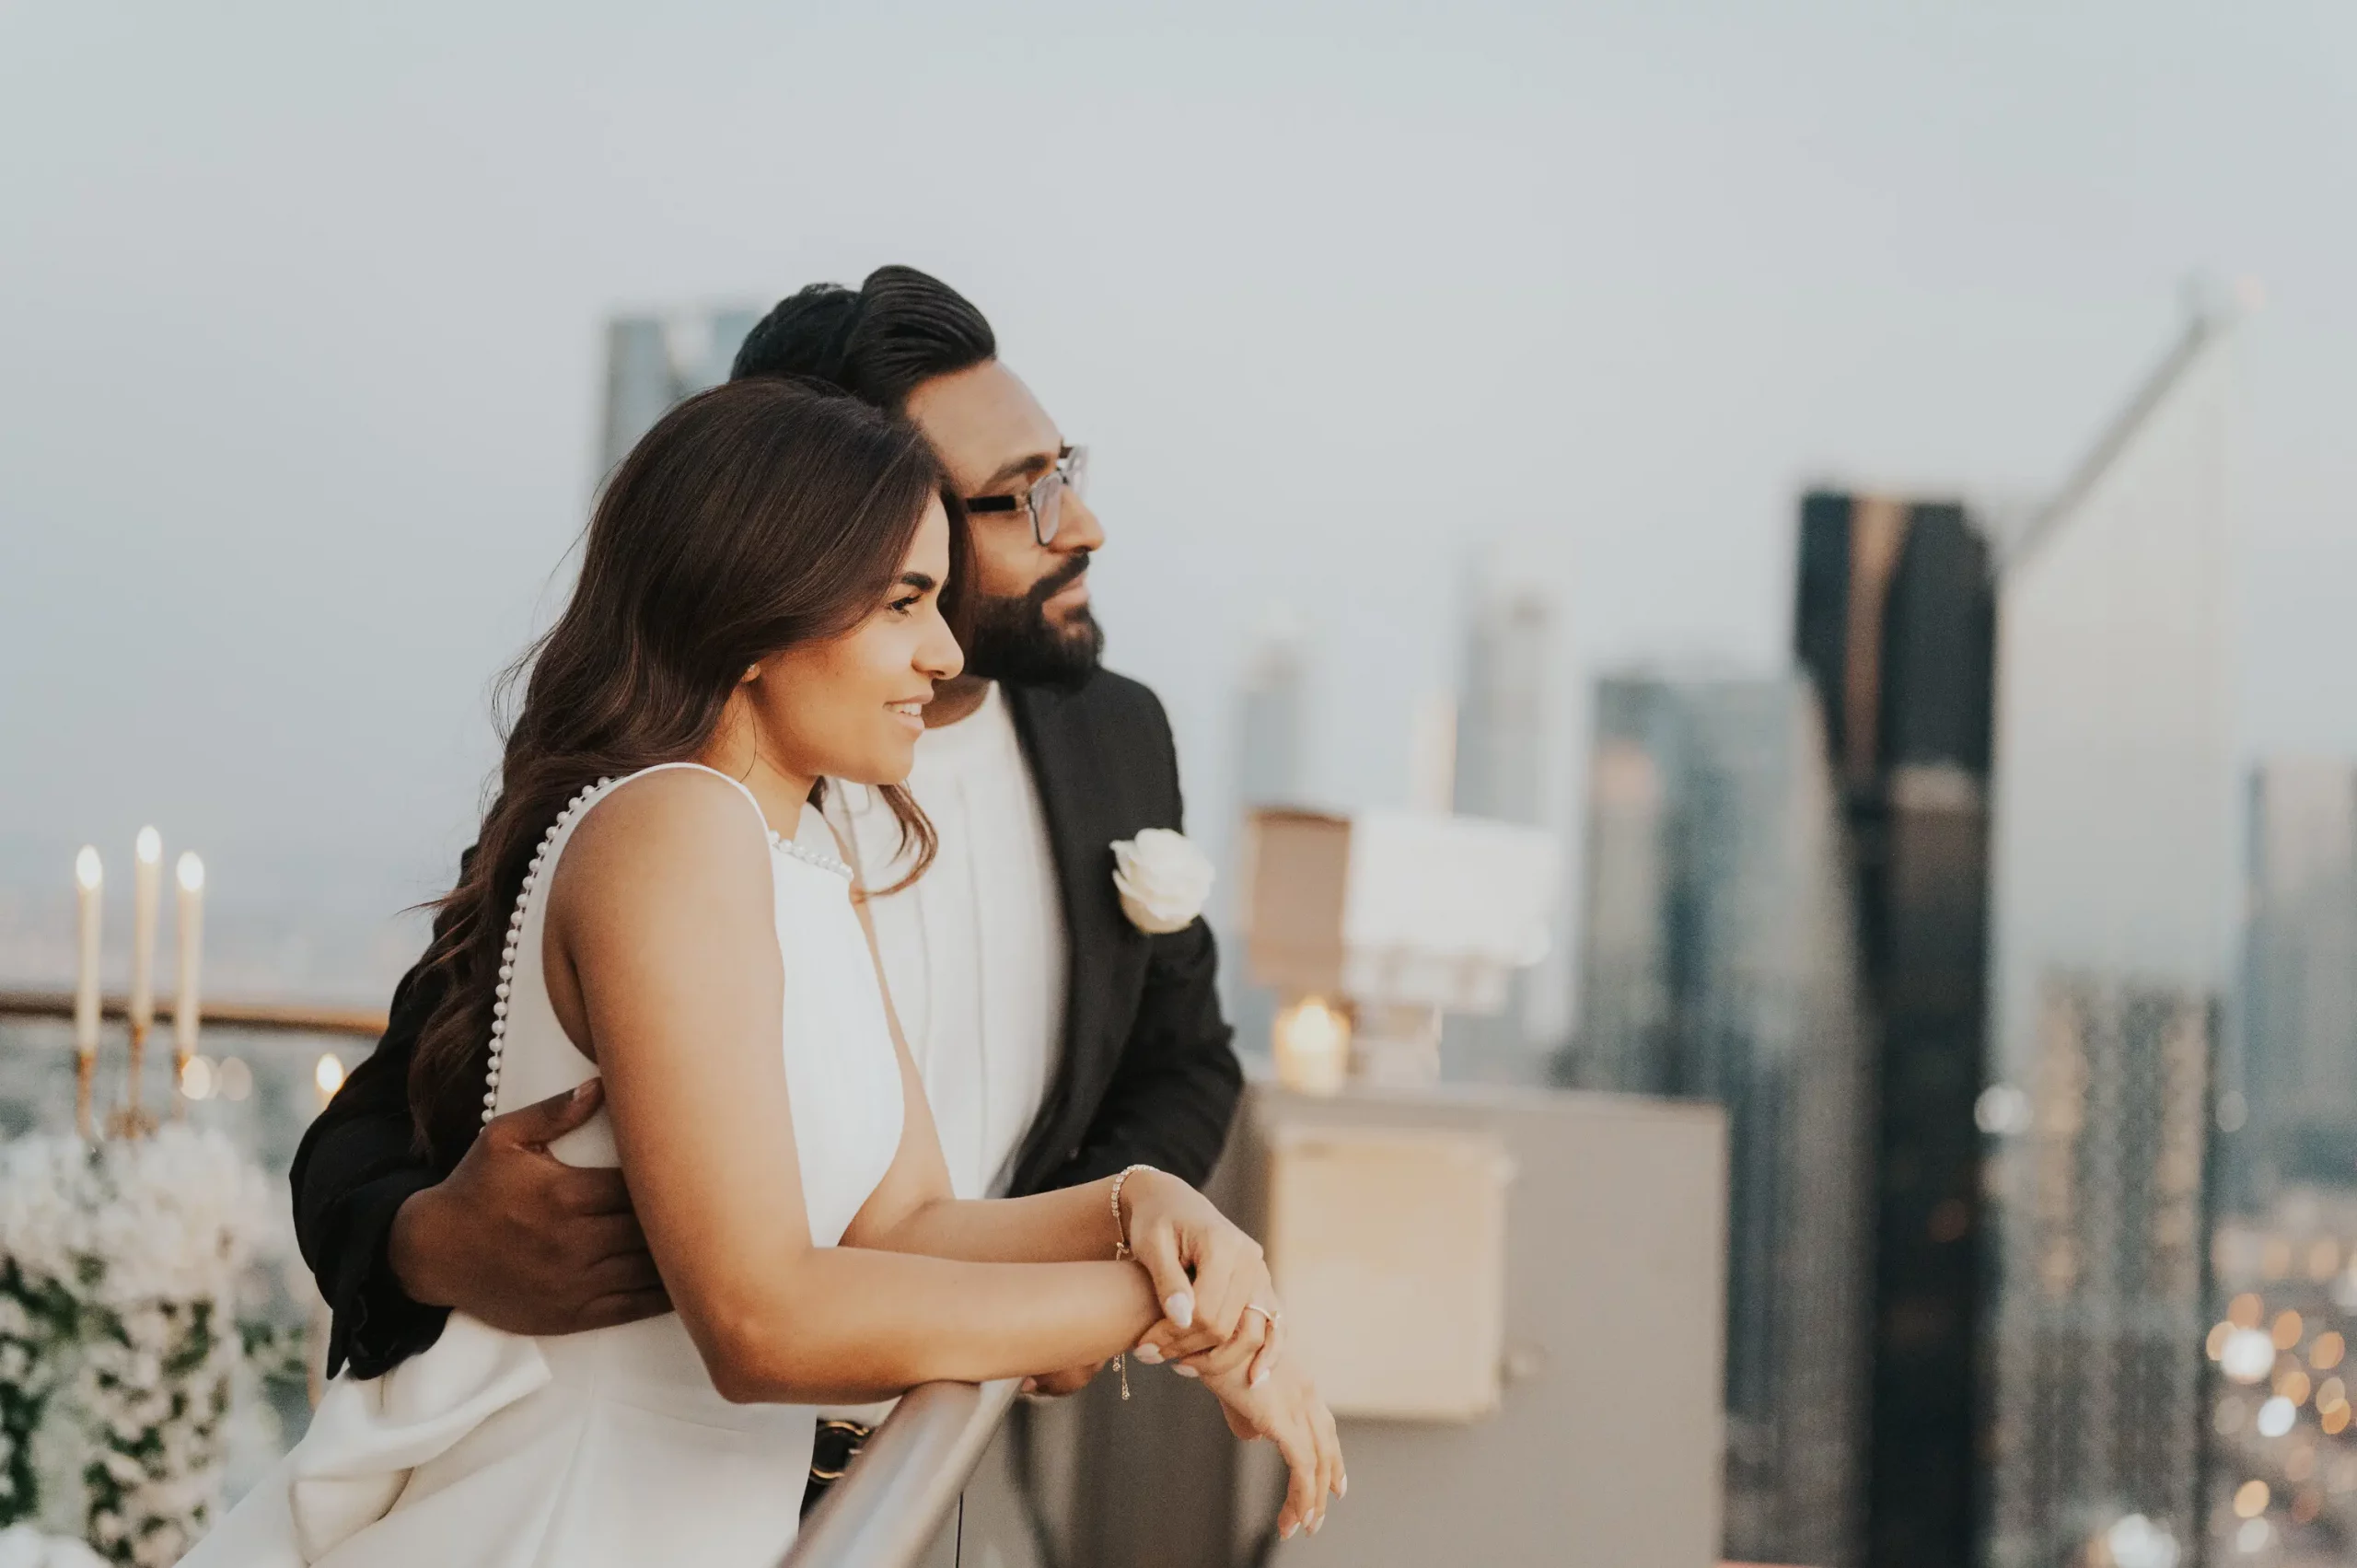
pixel 130 1119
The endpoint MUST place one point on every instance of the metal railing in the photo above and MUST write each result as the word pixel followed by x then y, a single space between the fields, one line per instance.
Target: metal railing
pixel 294 1019
pixel 888 1506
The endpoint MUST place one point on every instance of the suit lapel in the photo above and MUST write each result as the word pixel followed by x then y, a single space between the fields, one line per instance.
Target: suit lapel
pixel 1074 796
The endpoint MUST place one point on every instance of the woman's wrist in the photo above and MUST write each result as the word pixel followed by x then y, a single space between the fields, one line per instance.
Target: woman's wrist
pixel 1122 1195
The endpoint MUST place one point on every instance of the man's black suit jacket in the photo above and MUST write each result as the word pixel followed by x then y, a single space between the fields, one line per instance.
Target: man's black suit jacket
pixel 1146 1074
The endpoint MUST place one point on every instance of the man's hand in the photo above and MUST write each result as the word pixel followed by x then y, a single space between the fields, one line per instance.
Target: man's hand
pixel 516 1238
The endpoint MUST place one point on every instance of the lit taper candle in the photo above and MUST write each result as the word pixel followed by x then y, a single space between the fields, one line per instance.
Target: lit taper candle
pixel 146 905
pixel 190 927
pixel 90 880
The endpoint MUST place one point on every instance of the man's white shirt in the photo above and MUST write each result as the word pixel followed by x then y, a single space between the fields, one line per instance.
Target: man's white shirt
pixel 974 953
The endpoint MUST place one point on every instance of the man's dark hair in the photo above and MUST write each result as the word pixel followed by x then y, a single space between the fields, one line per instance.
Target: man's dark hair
pixel 899 329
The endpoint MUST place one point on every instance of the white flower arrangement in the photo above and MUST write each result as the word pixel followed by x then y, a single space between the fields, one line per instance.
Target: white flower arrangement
pixel 47 1195
pixel 126 1260
pixel 22 1546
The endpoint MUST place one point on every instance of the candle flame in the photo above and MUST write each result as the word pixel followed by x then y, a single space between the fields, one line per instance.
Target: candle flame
pixel 328 1073
pixel 1312 1041
pixel 87 869
pixel 191 871
pixel 151 846
pixel 1313 1025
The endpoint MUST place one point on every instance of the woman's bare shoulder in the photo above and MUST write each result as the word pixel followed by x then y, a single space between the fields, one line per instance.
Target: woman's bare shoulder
pixel 688 827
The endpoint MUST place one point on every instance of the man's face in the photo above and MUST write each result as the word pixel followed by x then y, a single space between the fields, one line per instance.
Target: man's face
pixel 1031 614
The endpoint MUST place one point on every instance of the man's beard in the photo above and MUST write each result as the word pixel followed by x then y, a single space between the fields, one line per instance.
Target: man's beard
pixel 1013 639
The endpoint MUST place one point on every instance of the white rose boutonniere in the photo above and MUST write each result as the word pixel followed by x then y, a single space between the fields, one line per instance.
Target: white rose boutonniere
pixel 1163 879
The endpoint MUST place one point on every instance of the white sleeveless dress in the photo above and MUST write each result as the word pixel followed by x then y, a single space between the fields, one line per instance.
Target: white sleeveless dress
pixel 612 1447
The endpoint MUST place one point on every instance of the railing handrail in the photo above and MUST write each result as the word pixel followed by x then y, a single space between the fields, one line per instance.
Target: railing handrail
pixel 889 1504
pixel 288 1018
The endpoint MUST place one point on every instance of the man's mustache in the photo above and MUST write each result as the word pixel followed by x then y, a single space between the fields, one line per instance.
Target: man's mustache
pixel 1057 581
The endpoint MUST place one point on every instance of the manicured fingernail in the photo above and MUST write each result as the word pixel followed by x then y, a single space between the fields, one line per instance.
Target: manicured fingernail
pixel 1181 1309
pixel 1030 1384
pixel 1186 1372
pixel 1260 1376
pixel 1343 1487
pixel 1151 1354
pixel 1286 1534
pixel 581 1091
pixel 1316 1522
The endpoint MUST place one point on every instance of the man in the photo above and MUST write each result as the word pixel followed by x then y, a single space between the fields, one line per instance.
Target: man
pixel 1059 1041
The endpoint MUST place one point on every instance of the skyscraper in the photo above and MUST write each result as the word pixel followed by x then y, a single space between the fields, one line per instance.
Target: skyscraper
pixel 2299 990
pixel 2281 1471
pixel 1271 709
pixel 1272 704
pixel 654 361
pixel 2114 863
pixel 1504 716
pixel 2099 1362
pixel 1505 722
pixel 1717 964
pixel 1895 625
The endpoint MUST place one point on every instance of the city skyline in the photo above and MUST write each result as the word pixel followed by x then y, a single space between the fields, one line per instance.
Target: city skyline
pixel 291 477
pixel 1874 483
pixel 2024 735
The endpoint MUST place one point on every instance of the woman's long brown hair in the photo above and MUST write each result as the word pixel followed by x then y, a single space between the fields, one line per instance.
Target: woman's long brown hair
pixel 755 516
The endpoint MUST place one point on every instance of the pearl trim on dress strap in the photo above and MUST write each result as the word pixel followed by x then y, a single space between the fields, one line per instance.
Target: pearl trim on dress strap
pixel 818 858
pixel 514 934
pixel 500 993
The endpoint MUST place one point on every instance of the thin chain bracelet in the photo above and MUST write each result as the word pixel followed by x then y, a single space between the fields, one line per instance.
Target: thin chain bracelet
pixel 1121 1253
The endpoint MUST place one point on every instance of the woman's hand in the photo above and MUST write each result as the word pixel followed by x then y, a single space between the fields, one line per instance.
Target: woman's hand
pixel 1285 1410
pixel 1220 1314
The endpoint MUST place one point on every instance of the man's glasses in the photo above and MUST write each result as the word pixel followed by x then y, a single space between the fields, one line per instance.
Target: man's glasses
pixel 1045 499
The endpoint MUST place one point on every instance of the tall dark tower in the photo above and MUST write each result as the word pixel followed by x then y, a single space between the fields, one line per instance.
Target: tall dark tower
pixel 1896 625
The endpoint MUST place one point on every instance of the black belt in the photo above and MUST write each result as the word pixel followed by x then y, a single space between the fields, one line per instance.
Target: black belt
pixel 832 1449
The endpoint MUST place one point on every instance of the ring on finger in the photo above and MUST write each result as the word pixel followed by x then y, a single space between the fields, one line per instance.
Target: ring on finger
pixel 1273 1317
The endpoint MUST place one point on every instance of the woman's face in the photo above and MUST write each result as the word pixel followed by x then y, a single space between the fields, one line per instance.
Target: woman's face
pixel 852 708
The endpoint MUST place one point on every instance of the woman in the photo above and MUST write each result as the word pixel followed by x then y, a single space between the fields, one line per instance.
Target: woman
pixel 765 602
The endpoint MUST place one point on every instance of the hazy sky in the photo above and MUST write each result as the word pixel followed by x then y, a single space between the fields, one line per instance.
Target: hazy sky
pixel 300 307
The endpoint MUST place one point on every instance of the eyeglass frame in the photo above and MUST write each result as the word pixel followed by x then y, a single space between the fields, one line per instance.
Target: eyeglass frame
pixel 1044 499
